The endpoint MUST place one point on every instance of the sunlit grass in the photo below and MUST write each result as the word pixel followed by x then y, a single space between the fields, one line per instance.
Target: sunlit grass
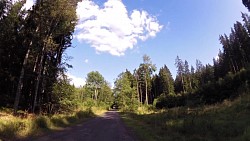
pixel 226 121
pixel 12 127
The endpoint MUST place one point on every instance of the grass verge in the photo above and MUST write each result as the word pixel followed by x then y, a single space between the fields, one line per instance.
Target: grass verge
pixel 226 121
pixel 13 128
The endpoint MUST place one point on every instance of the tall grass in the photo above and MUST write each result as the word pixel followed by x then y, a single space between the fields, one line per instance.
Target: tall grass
pixel 12 128
pixel 226 121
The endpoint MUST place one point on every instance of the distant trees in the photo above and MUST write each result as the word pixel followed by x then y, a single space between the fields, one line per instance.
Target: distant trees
pixel 166 81
pixel 163 83
pixel 125 91
pixel 97 88
pixel 64 98
pixel 213 83
pixel 235 48
pixel 143 77
pixel 94 81
pixel 204 84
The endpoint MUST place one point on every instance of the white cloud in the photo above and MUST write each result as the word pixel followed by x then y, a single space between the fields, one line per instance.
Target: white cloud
pixel 111 28
pixel 86 61
pixel 77 81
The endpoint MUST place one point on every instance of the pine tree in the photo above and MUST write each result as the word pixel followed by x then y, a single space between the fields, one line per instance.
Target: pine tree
pixel 187 77
pixel 179 81
pixel 166 82
pixel 246 3
pixel 148 68
pixel 49 26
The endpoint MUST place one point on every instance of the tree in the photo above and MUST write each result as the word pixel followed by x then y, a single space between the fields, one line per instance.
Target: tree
pixel 106 93
pixel 12 22
pixel 166 81
pixel 246 3
pixel 95 81
pixel 64 96
pixel 180 74
pixel 187 77
pixel 46 32
pixel 125 91
pixel 146 70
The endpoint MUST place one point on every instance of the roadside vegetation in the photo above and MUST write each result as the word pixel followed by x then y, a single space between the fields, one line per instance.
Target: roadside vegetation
pixel 229 120
pixel 27 125
pixel 205 102
pixel 24 125
pixel 72 105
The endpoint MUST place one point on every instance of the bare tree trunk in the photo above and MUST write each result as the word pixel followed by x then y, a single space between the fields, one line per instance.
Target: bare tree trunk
pixel 20 82
pixel 140 94
pixel 137 89
pixel 96 93
pixel 40 68
pixel 182 83
pixel 146 90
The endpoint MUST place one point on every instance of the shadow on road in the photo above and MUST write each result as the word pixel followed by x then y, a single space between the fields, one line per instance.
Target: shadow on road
pixel 107 127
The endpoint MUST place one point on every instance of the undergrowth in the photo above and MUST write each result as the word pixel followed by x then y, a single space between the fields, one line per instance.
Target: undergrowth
pixel 229 120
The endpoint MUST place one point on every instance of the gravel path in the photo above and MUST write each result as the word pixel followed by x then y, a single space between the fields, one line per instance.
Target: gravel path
pixel 108 127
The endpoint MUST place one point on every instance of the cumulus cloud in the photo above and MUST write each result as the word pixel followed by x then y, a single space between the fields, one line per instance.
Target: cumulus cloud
pixel 77 81
pixel 111 28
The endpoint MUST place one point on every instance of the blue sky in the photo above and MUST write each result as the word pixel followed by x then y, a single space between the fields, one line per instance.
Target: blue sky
pixel 106 42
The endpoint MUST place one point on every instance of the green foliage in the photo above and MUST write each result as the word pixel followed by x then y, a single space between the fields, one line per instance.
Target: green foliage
pixel 166 82
pixel 170 101
pixel 229 87
pixel 41 122
pixel 227 121
pixel 11 128
pixel 64 96
pixel 14 128
pixel 32 43
pixel 94 79
pixel 106 94
pixel 125 92
pixel 97 88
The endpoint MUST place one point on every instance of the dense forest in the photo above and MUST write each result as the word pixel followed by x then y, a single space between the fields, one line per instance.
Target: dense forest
pixel 32 43
pixel 33 66
pixel 202 102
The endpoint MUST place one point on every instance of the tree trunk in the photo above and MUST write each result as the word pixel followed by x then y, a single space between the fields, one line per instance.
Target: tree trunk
pixel 96 93
pixel 146 90
pixel 140 95
pixel 20 82
pixel 182 83
pixel 137 88
pixel 40 68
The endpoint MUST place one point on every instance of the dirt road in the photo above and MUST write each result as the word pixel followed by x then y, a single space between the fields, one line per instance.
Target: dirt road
pixel 108 127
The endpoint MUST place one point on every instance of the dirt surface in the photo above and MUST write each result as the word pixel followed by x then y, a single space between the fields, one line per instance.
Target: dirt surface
pixel 108 127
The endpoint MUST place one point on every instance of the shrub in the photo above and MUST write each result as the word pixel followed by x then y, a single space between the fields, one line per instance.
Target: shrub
pixel 170 101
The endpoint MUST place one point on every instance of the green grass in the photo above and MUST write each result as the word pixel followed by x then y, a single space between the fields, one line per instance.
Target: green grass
pixel 227 121
pixel 12 128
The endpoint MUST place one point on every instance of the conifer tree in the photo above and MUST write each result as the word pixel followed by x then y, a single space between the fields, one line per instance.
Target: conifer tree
pixel 166 82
